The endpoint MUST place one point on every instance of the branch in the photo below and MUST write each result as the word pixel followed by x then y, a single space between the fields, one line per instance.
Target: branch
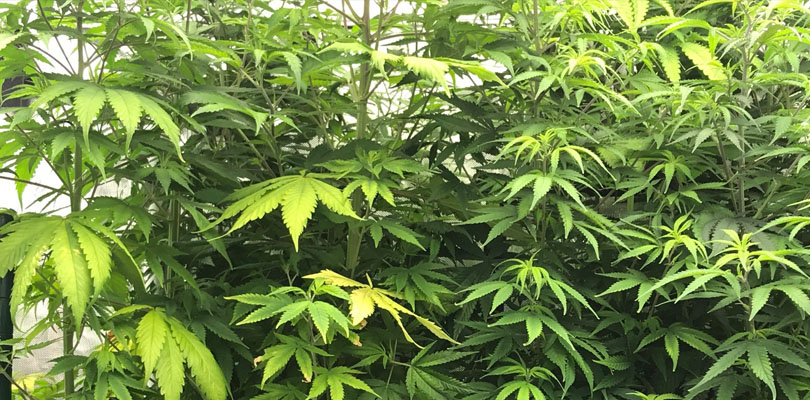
pixel 41 154
pixel 53 189
pixel 347 16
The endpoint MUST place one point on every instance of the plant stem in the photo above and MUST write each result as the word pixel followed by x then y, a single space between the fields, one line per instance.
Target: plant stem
pixel 27 182
pixel 188 14
pixel 174 234
pixel 68 330
pixel 355 236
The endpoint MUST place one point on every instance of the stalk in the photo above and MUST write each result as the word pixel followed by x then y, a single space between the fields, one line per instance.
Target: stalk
pixel 355 236
pixel 174 235
pixel 68 328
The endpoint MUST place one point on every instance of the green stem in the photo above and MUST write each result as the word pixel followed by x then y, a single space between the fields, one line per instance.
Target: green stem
pixel 174 235
pixel 726 166
pixel 355 236
pixel 188 14
pixel 353 242
pixel 68 328
pixel 67 348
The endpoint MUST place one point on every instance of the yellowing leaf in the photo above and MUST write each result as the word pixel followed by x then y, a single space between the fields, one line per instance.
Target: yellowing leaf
pixel 428 68
pixel 435 329
pixel 474 68
pixel 333 278
pixel 379 58
pixel 625 11
pixel 669 61
pixel 361 304
pixel 6 38
pixel 347 47
pixel 704 60
pixel 640 8
pixel 299 203
pixel 364 299
pixel 631 12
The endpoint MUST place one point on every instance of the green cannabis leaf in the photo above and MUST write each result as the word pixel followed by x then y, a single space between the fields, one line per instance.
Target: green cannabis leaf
pixel 297 195
pixel 164 344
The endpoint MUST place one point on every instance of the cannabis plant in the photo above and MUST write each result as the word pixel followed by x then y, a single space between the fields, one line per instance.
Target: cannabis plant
pixel 426 199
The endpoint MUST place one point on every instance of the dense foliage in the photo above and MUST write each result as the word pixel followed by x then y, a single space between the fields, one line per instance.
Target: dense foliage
pixel 471 199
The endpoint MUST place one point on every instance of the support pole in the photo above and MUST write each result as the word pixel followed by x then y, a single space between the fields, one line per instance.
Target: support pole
pixel 6 325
